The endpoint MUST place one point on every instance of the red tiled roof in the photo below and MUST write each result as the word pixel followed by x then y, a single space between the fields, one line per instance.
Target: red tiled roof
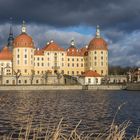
pixel 6 54
pixel 91 73
pixel 84 51
pixel 23 40
pixel 97 44
pixel 73 51
pixel 53 47
pixel 39 52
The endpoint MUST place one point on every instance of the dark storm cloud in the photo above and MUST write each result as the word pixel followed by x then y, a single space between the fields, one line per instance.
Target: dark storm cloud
pixel 108 13
pixel 47 19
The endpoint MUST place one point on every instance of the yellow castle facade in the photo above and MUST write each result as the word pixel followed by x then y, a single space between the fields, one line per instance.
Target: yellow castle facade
pixel 26 60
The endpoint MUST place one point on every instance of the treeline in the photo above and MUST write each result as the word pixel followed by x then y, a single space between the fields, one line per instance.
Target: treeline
pixel 118 70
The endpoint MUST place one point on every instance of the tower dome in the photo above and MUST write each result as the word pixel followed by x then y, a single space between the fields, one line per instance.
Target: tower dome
pixel 97 43
pixel 23 40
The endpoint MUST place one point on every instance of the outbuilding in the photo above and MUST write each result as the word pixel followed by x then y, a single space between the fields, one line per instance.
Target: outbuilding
pixel 90 77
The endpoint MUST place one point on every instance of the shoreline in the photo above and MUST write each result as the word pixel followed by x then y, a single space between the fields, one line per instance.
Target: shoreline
pixel 60 87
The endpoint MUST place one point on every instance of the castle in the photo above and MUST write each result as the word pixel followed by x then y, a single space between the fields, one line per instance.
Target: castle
pixel 22 63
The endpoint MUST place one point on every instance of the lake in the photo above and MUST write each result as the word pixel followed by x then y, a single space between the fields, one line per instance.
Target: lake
pixel 95 109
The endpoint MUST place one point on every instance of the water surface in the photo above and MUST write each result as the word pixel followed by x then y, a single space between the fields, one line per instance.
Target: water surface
pixel 96 109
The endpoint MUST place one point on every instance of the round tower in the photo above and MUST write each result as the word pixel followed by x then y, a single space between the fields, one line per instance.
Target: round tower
pixel 23 53
pixel 98 54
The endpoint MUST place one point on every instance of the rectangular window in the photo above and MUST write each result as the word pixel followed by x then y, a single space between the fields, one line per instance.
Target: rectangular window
pixel 25 56
pixel 18 62
pixel 102 63
pixel 102 71
pixel 25 62
pixel 89 80
pixel 55 58
pixel 62 71
pixel 97 80
pixel 72 72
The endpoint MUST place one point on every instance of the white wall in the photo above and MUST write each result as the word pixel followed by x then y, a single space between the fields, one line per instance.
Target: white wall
pixel 93 80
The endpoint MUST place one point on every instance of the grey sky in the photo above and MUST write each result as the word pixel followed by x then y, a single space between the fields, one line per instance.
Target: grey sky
pixel 46 19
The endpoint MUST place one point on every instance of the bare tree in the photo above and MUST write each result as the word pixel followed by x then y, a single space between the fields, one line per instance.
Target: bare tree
pixel 32 76
pixel 132 74
pixel 59 76
pixel 17 75
pixel 45 76
pixel 1 76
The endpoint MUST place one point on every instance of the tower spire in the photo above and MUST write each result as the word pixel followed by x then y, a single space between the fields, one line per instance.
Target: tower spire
pixel 23 29
pixel 11 30
pixel 98 35
pixel 10 38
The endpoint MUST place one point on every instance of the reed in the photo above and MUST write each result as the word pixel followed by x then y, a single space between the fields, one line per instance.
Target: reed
pixel 59 132
pixel 115 132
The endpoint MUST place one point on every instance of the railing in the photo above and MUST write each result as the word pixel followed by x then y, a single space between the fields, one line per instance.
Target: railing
pixel 55 67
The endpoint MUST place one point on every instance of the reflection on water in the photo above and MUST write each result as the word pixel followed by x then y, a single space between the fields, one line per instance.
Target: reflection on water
pixel 96 109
